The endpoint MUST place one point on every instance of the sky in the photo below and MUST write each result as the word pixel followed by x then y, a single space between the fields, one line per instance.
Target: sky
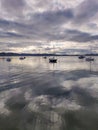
pixel 44 26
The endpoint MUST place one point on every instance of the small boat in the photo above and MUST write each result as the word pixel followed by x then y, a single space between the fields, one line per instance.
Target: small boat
pixel 45 57
pixel 22 58
pixel 8 59
pixel 81 57
pixel 89 59
pixel 52 60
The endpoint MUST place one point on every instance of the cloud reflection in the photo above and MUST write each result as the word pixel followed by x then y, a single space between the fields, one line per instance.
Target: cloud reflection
pixel 48 98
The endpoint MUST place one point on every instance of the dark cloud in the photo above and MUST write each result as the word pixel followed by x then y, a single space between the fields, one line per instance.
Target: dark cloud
pixel 41 25
pixel 53 17
pixel 84 37
pixel 14 7
pixel 85 11
pixel 43 29
pixel 8 24
pixel 13 3
pixel 79 36
pixel 72 35
pixel 11 35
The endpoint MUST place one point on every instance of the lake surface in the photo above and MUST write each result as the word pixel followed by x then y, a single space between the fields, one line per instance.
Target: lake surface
pixel 38 95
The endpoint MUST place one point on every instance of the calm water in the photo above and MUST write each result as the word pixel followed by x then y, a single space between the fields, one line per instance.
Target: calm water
pixel 37 95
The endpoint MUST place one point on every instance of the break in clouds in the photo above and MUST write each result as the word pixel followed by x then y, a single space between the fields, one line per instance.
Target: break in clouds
pixel 29 25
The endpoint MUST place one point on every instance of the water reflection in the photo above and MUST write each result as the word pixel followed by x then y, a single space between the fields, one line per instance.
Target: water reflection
pixel 36 95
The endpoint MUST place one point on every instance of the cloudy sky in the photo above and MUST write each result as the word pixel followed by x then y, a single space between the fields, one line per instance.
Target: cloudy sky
pixel 35 26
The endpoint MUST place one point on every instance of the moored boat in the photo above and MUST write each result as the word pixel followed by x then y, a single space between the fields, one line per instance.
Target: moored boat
pixel 8 59
pixel 52 60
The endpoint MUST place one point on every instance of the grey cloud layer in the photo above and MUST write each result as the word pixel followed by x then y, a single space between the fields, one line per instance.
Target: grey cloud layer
pixel 48 24
pixel 85 11
pixel 13 7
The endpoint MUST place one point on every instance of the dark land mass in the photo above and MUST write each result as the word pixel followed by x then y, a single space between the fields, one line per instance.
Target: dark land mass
pixel 42 54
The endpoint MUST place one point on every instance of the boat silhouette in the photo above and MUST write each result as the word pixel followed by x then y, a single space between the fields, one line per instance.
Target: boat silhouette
pixel 52 60
pixel 8 59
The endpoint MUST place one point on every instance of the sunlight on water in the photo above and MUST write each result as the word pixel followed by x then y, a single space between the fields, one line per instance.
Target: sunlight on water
pixel 38 95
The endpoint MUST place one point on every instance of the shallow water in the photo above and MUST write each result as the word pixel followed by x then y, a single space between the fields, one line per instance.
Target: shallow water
pixel 38 95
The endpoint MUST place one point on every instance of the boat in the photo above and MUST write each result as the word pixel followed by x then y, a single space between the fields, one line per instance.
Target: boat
pixel 89 59
pixel 8 59
pixel 22 58
pixel 81 57
pixel 45 57
pixel 52 60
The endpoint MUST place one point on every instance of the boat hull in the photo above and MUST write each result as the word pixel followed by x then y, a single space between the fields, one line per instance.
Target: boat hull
pixel 8 59
pixel 52 60
pixel 81 57
pixel 89 59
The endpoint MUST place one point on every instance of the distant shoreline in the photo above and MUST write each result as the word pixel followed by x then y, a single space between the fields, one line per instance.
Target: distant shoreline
pixel 43 54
